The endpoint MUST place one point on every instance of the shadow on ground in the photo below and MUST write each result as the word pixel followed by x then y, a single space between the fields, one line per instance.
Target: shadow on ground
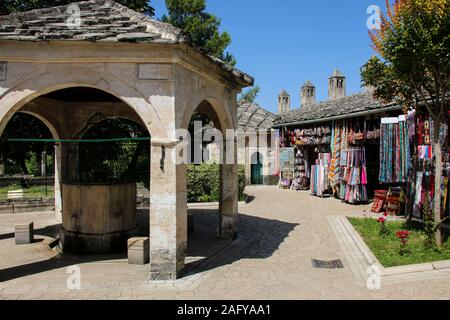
pixel 258 238
pixel 48 231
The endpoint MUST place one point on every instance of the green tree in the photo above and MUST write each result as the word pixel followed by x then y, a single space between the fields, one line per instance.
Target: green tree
pixel 10 6
pixel 202 27
pixel 250 95
pixel 24 126
pixel 413 67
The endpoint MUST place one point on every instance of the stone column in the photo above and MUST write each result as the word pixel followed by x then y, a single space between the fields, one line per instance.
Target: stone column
pixel 57 186
pixel 228 205
pixel 168 212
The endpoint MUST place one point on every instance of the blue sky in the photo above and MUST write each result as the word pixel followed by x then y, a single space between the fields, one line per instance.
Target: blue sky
pixel 286 42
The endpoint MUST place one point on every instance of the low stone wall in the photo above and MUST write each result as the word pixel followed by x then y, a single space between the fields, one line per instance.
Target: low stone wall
pixel 47 204
pixel 34 181
pixel 26 205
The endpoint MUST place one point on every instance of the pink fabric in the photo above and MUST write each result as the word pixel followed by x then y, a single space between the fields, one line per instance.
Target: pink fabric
pixel 363 175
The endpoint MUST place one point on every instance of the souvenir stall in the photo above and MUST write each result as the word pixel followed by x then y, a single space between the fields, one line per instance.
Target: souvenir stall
pixel 395 164
pixel 330 159
pixel 348 171
pixel 354 159
pixel 407 165
pixel 312 159
pixel 422 172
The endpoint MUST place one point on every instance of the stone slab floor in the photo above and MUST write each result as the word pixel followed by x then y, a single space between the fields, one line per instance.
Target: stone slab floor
pixel 280 232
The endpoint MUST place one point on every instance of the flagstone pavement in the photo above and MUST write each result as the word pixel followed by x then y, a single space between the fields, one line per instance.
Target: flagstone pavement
pixel 279 233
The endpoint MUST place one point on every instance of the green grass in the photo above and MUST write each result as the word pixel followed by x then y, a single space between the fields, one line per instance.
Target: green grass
pixel 386 249
pixel 34 192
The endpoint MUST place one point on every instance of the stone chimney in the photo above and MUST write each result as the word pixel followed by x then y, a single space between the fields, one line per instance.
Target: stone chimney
pixel 308 94
pixel 336 86
pixel 284 102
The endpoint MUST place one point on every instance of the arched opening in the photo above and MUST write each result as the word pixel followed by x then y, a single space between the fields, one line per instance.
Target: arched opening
pixel 117 151
pixel 207 184
pixel 27 168
pixel 101 152
pixel 257 169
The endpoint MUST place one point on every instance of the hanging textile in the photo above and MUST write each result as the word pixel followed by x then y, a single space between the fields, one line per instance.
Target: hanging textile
pixel 354 175
pixel 319 175
pixel 424 183
pixel 301 172
pixel 336 156
pixel 395 157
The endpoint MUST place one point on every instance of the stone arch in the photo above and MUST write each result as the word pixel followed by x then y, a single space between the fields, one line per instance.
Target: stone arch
pixel 17 97
pixel 217 110
pixel 56 132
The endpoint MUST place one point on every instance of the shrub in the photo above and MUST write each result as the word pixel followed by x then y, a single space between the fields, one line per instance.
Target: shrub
pixel 203 183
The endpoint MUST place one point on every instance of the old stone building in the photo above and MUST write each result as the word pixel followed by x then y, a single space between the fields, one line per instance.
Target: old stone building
pixel 119 63
pixel 317 133
pixel 257 145
pixel 258 156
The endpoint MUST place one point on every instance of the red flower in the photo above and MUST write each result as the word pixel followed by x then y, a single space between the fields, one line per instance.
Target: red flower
pixel 403 234
pixel 382 219
pixel 386 214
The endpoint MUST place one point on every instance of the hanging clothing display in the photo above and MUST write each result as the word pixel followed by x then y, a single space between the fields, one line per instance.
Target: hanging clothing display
pixel 353 179
pixel 394 150
pixel 319 175
pixel 340 142
pixel 424 184
pixel 301 171
pixel 320 135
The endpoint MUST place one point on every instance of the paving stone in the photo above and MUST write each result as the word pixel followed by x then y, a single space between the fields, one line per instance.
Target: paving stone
pixel 288 230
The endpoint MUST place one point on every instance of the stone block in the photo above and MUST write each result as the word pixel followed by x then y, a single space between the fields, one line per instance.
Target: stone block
pixel 138 250
pixel 24 233
pixel 155 72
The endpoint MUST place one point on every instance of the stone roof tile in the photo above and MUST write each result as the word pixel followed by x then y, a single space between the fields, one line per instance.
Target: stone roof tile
pixel 102 21
pixel 360 102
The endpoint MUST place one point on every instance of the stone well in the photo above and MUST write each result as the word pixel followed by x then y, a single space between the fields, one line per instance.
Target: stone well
pixel 98 218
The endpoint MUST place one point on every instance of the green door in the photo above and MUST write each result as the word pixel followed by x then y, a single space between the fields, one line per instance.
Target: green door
pixel 257 169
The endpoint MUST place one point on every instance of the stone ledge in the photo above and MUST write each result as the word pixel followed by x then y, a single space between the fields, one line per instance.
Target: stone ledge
pixel 209 204
pixel 441 265
pixel 14 206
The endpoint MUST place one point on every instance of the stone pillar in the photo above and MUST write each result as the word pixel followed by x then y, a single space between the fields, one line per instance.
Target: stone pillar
pixel 57 187
pixel 168 212
pixel 228 205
